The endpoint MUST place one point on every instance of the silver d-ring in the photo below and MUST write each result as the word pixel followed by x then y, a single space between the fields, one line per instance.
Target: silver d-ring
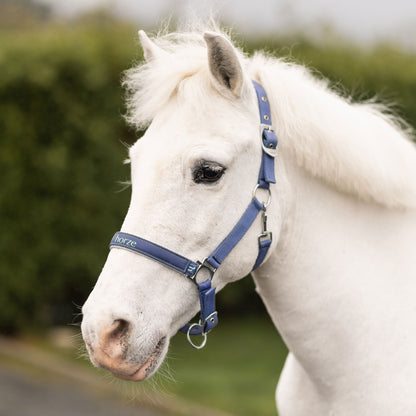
pixel 269 198
pixel 204 335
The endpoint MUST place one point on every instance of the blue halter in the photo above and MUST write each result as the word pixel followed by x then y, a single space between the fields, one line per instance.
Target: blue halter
pixel 189 268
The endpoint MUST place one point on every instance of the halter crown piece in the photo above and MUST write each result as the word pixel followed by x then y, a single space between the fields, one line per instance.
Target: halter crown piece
pixel 189 268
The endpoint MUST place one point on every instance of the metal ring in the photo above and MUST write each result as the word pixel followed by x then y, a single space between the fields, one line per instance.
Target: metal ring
pixel 269 199
pixel 204 335
pixel 203 265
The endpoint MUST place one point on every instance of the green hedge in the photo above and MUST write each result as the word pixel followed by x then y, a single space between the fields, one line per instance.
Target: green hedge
pixel 60 160
pixel 61 127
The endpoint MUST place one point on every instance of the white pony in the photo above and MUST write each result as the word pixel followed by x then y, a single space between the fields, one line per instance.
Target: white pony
pixel 339 280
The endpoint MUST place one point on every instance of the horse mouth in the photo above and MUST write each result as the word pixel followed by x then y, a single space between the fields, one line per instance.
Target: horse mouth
pixel 148 368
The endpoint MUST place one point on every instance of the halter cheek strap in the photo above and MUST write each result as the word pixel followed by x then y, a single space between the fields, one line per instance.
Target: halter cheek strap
pixel 189 268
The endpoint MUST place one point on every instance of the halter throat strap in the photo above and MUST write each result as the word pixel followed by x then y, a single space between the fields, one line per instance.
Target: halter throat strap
pixel 189 268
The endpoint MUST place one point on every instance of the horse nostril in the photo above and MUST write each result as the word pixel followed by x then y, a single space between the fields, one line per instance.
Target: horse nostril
pixel 120 329
pixel 113 340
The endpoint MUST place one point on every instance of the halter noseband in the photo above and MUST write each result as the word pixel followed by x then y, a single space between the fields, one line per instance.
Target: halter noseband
pixel 189 268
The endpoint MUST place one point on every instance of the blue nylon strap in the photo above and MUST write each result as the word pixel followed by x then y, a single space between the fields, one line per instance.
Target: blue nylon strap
pixel 154 251
pixel 263 102
pixel 209 317
pixel 269 146
pixel 267 171
pixel 269 141
pixel 236 234
pixel 268 137
pixel 263 249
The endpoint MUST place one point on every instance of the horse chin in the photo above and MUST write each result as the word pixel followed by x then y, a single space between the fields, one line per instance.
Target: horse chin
pixel 144 372
pixel 128 370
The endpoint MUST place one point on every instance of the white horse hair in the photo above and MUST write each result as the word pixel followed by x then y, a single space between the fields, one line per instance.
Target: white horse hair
pixel 340 135
pixel 339 282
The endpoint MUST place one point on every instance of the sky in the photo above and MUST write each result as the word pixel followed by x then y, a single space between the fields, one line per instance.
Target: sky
pixel 362 21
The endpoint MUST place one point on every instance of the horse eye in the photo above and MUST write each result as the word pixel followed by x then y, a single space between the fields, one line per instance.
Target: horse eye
pixel 207 172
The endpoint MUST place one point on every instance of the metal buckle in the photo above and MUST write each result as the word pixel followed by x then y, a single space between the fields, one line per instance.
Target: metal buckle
pixel 203 265
pixel 269 151
pixel 268 235
pixel 264 126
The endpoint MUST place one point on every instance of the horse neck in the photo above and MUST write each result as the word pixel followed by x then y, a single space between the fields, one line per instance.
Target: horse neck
pixel 331 273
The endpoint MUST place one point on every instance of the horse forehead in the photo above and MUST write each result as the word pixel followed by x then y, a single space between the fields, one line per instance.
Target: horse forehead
pixel 215 114
pixel 179 132
pixel 164 141
pixel 163 149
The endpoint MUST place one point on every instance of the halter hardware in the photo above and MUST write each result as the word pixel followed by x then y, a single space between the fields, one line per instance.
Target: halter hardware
pixel 269 196
pixel 203 265
pixel 203 334
pixel 265 235
pixel 189 268
pixel 268 147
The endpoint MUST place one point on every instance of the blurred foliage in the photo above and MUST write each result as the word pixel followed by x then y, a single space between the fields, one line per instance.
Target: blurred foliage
pixel 60 160
pixel 61 154
pixel 242 378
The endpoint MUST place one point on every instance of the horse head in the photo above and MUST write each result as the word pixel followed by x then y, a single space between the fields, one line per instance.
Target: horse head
pixel 192 174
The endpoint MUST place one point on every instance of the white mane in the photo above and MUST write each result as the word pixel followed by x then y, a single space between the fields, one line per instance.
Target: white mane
pixel 358 148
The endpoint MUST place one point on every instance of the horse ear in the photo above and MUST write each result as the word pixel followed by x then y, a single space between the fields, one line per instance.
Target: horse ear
pixel 224 63
pixel 150 49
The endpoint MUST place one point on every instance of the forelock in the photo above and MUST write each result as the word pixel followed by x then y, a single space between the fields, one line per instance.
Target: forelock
pixel 150 85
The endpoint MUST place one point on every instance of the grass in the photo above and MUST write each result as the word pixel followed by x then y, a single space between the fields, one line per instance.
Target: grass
pixel 237 371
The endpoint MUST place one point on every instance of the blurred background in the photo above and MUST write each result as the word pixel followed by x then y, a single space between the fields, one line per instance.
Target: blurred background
pixel 63 194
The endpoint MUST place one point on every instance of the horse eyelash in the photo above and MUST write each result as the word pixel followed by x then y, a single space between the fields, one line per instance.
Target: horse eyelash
pixel 197 171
